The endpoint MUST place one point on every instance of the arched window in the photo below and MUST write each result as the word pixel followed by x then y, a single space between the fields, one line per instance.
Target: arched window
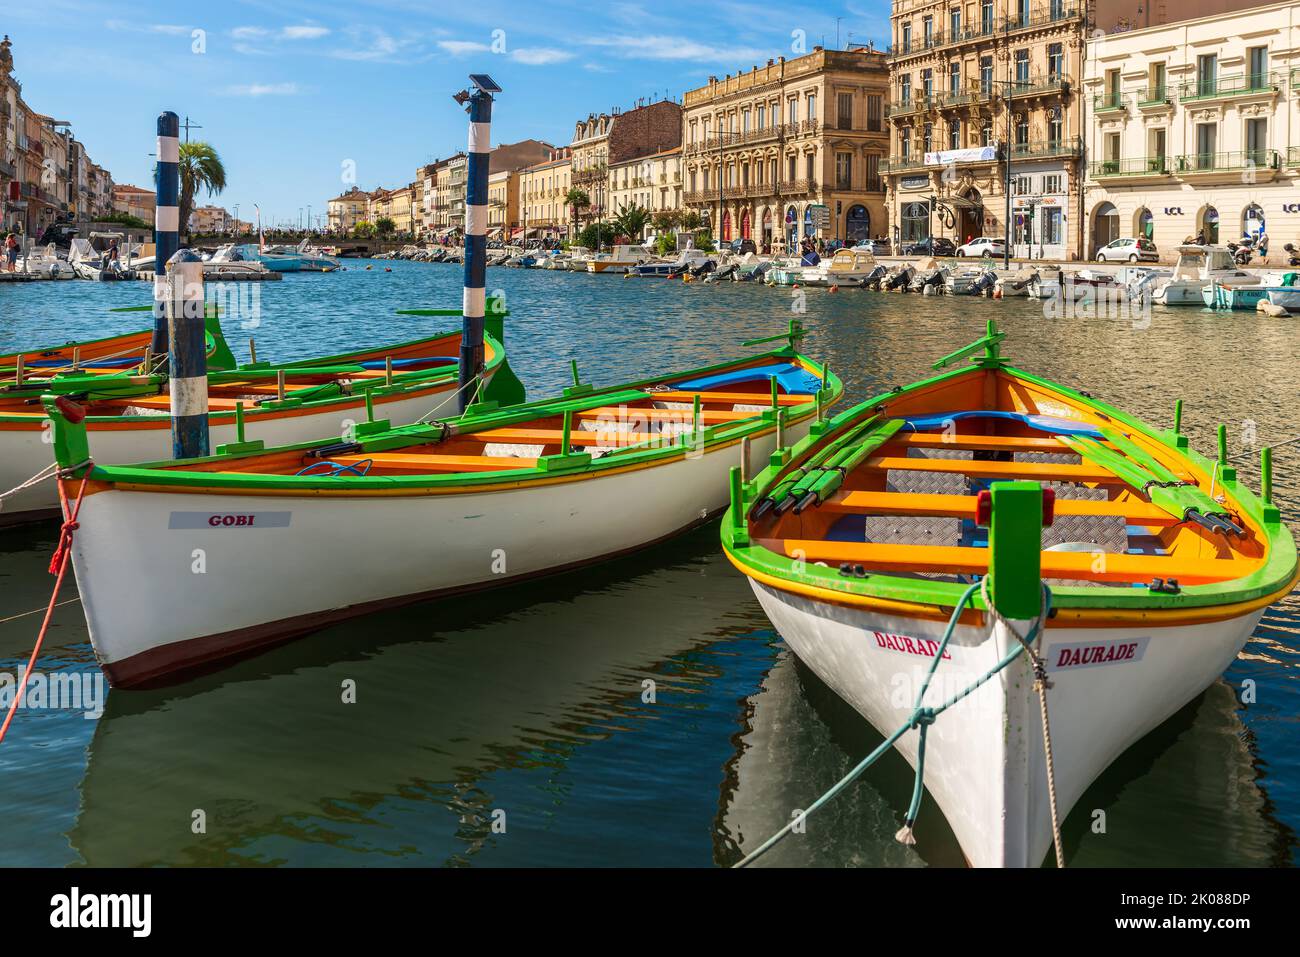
pixel 1252 220
pixel 1145 224
pixel 1210 225
pixel 857 224
pixel 916 222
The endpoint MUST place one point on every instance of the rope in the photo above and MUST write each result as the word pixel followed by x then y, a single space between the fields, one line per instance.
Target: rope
pixel 922 717
pixel 46 473
pixel 58 568
pixel 37 611
pixel 1275 445
pixel 453 394
pixel 338 468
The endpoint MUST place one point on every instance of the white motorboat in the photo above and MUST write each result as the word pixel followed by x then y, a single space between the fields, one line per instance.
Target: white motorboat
pixel 970 280
pixel 620 260
pixel 1196 268
pixel 846 267
pixel 688 259
pixel 46 263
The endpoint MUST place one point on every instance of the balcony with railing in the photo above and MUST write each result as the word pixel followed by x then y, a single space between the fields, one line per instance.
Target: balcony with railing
pixel 1225 87
pixel 1044 85
pixel 1154 96
pixel 1112 101
pixel 898 164
pixel 1293 156
pixel 1261 165
pixel 1045 15
pixel 1046 149
pixel 1132 168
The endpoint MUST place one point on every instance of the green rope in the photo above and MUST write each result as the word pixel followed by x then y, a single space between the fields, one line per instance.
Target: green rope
pixel 921 717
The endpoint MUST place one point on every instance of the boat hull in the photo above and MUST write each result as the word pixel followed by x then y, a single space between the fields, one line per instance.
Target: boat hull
pixel 25 446
pixel 984 759
pixel 392 549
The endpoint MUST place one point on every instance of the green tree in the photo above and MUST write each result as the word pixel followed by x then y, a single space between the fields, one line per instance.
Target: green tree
pixel 691 220
pixel 631 221
pixel 577 199
pixel 596 235
pixel 385 226
pixel 200 168
pixel 667 220
pixel 364 230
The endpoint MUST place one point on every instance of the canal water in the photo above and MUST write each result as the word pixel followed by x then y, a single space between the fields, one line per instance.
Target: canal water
pixel 528 706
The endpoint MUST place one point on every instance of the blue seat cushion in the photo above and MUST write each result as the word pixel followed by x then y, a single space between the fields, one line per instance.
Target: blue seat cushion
pixel 1043 423
pixel 792 379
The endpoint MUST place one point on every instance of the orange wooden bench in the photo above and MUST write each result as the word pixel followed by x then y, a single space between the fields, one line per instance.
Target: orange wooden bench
pixel 963 506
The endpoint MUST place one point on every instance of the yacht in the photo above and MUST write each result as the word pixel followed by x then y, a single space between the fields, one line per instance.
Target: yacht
pixel 622 259
pixel 687 259
pixel 846 267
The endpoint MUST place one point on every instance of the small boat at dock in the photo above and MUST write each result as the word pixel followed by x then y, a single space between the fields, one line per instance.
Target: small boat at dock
pixel 1226 295
pixel 128 407
pixel 301 535
pixel 958 557
pixel 1198 266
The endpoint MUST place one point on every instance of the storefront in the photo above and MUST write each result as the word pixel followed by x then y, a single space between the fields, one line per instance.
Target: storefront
pixel 1040 212
pixel 857 224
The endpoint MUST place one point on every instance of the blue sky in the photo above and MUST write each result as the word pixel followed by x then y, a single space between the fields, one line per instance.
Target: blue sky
pixel 289 91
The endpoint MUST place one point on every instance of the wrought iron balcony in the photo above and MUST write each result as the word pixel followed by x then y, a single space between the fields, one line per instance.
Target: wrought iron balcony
pixel 1223 87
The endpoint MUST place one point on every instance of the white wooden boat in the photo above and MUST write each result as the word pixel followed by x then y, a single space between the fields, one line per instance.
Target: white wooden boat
pixel 866 539
pixel 299 536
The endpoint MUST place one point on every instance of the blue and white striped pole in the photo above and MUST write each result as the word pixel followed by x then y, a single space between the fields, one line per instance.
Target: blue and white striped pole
pixel 476 218
pixel 188 357
pixel 166 221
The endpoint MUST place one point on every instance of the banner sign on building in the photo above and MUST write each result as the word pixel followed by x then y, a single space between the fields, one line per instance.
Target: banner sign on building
pixel 975 154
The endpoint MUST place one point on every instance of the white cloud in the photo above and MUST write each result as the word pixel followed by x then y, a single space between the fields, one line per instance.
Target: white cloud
pixel 540 56
pixel 264 89
pixel 376 46
pixel 170 29
pixel 462 47
pixel 663 47
pixel 304 32
pixel 249 33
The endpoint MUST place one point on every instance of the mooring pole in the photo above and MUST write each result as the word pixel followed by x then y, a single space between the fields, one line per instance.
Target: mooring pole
pixel 166 221
pixel 476 217
pixel 188 358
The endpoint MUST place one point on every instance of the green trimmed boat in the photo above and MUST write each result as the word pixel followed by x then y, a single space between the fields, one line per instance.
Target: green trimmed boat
pixel 297 536
pixel 874 546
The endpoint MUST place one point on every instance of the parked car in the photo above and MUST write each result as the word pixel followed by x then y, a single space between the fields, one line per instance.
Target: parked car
pixel 930 246
pixel 983 246
pixel 877 247
pixel 739 247
pixel 1128 249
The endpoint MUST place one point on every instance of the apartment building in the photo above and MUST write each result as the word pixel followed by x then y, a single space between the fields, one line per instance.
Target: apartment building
pixel 1195 129
pixel 542 191
pixel 652 182
pixel 140 202
pixel 774 152
pixel 983 92
pixel 611 139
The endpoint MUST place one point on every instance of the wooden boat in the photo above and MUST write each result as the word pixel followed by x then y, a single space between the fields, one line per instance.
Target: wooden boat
pixel 129 414
pixel 299 536
pixel 863 539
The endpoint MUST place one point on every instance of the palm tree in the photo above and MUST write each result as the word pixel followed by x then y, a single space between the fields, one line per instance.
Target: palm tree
pixel 200 168
pixel 576 199
pixel 631 221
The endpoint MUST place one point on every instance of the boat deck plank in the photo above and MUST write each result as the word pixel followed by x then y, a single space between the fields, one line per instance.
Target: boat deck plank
pixel 1042 471
pixel 965 560
pixel 963 506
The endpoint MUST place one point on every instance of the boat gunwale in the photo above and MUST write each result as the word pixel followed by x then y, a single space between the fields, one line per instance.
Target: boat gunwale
pixel 404 384
pixel 1271 579
pixel 153 476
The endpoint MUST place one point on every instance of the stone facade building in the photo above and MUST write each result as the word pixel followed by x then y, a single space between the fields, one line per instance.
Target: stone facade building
pixel 764 149
pixel 609 139
pixel 975 85
pixel 1192 128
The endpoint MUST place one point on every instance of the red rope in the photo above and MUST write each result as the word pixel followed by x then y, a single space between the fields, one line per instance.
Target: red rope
pixel 58 567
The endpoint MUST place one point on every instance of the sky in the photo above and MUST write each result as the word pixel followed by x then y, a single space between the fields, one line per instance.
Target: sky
pixel 298 97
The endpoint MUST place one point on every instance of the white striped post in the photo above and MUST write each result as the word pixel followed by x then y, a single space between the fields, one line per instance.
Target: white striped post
pixel 166 222
pixel 188 358
pixel 476 217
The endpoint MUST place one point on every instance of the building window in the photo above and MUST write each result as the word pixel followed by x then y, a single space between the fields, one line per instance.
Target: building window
pixel 794 111
pixel 1052 184
pixel 1055 126
pixel 792 169
pixel 986 17
pixel 927 136
pixel 1257 61
pixel 905 88
pixel 744 123
pixel 762 115
pixel 1022 67
pixel 986 134
pixel 915 222
pixel 812 107
pixel 907 37
pixel 1022 186
pixel 844 102
pixel 927 83
pixel 954 77
pixel 810 162
pixel 1050 231
pixel 986 76
pixel 1022 13
pixel 1207 138
pixel 1022 132
pixel 1055 61
pixel 693 181
pixel 905 143
pixel 1207 74
pixel 954 135
pixel 843 171
pixel 873 173
pixel 927 31
pixel 954 24
pixel 874 112
pixel 1257 141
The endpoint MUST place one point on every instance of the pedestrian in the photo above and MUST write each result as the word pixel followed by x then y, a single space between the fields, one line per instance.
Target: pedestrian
pixel 11 252
pixel 1261 243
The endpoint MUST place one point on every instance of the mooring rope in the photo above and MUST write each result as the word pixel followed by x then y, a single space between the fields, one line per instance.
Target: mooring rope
pixel 58 568
pixel 922 717
pixel 43 475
